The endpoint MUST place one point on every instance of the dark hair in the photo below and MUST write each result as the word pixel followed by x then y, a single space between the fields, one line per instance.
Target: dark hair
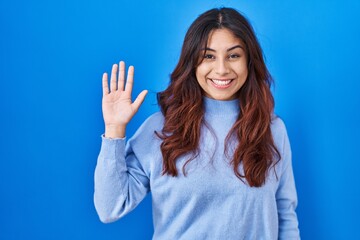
pixel 182 102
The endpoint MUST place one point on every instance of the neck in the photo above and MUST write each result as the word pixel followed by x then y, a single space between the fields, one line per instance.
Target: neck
pixel 220 107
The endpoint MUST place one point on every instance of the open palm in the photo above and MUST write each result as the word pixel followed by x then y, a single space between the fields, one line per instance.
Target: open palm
pixel 117 106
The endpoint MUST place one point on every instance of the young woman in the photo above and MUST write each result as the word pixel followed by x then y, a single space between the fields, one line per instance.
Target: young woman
pixel 216 159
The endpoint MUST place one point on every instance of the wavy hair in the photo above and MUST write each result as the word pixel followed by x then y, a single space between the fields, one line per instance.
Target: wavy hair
pixel 182 102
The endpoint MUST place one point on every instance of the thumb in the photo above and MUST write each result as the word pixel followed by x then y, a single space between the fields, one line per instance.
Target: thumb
pixel 139 100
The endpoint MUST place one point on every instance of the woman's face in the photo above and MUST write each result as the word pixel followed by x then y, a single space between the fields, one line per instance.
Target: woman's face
pixel 223 71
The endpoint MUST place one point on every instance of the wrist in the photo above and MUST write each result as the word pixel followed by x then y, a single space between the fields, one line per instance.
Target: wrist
pixel 117 131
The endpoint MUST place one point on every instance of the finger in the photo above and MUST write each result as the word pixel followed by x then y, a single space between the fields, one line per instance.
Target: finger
pixel 113 77
pixel 105 85
pixel 139 100
pixel 121 76
pixel 129 80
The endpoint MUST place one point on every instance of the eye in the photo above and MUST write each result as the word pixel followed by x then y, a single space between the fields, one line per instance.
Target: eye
pixel 209 56
pixel 232 56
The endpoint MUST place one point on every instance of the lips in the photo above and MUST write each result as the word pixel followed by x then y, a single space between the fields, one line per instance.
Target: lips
pixel 221 83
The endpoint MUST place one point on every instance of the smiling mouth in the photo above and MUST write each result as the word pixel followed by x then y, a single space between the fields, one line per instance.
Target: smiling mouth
pixel 221 83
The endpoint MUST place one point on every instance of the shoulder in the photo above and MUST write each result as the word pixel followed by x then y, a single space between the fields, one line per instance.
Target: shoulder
pixel 146 132
pixel 279 132
pixel 154 120
pixel 277 125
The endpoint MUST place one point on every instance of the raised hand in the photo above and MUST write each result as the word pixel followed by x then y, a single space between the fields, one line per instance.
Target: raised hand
pixel 117 107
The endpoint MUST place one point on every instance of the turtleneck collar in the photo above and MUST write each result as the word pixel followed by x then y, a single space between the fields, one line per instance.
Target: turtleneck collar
pixel 219 107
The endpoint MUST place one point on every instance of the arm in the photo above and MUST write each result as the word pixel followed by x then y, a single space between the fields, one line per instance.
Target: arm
pixel 286 197
pixel 120 182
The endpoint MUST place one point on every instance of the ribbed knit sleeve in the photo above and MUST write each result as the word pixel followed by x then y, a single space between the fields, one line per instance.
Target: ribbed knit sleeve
pixel 120 181
pixel 286 197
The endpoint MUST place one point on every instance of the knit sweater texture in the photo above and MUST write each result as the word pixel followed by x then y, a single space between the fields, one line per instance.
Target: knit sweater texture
pixel 210 202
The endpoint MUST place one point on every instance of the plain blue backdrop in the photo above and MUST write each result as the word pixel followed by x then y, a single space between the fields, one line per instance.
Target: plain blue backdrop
pixel 53 54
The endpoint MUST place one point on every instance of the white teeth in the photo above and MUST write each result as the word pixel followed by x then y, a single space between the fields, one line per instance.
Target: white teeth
pixel 221 82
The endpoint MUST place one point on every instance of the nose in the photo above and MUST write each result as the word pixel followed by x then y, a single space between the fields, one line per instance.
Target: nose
pixel 222 67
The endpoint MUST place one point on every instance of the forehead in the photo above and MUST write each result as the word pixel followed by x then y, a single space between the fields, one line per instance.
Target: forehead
pixel 223 38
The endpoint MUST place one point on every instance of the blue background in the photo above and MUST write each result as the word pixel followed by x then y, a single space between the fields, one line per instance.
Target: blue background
pixel 52 56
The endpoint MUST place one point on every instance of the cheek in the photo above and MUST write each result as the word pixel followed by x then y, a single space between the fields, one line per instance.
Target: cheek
pixel 244 73
pixel 242 69
pixel 201 72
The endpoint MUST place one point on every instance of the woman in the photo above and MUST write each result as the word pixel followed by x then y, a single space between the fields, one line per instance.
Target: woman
pixel 216 159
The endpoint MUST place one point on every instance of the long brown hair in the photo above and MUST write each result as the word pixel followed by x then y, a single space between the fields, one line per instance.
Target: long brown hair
pixel 182 102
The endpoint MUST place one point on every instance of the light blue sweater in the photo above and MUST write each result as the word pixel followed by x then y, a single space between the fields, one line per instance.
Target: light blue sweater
pixel 210 202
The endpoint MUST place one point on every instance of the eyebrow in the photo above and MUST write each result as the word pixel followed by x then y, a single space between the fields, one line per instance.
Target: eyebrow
pixel 229 49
